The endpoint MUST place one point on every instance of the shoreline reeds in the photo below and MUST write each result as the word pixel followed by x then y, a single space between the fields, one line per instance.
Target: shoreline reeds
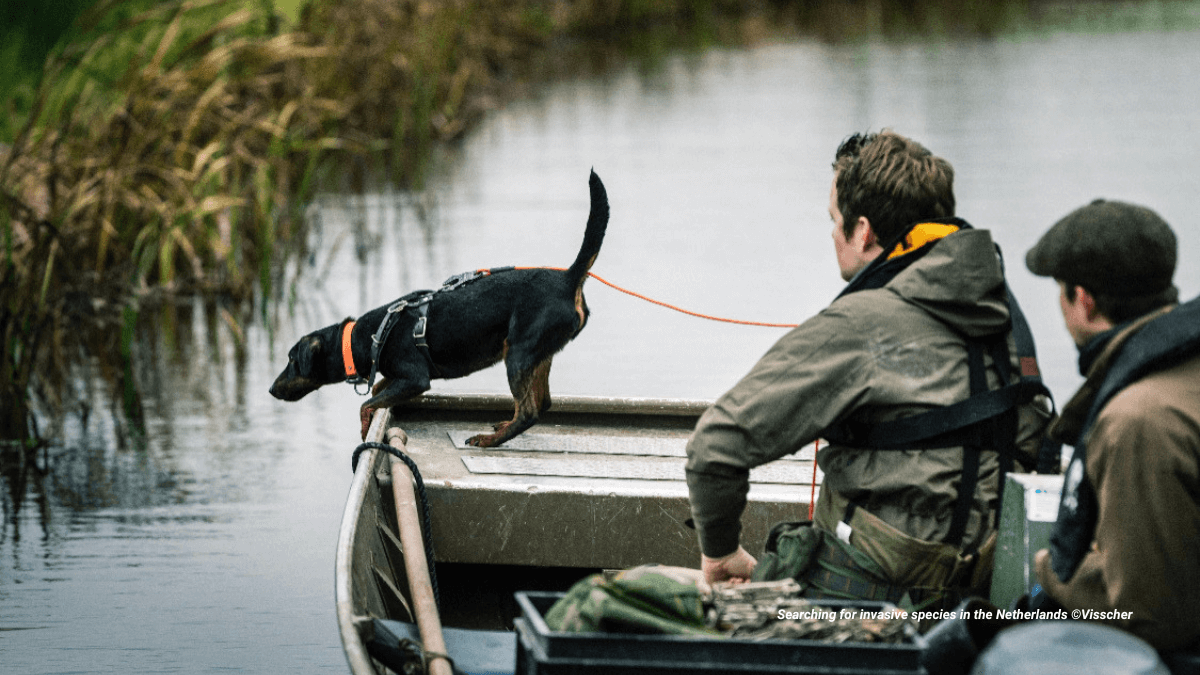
pixel 158 157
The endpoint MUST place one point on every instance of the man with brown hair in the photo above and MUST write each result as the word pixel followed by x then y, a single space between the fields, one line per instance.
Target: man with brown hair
pixel 1127 542
pixel 913 375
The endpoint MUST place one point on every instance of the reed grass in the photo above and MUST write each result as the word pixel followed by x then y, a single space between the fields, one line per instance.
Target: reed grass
pixel 165 155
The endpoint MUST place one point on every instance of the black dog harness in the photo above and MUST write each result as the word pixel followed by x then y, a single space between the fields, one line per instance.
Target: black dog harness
pixel 418 302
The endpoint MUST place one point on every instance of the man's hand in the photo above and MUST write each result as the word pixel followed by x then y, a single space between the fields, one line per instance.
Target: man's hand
pixel 1041 560
pixel 736 567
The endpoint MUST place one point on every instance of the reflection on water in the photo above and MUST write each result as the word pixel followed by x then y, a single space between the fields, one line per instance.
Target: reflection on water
pixel 207 542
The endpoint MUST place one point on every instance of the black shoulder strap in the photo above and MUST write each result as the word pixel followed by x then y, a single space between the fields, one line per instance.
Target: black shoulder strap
pixel 971 451
pixel 1049 456
pixel 938 428
pixel 416 299
pixel 419 336
pixel 987 419
pixel 957 423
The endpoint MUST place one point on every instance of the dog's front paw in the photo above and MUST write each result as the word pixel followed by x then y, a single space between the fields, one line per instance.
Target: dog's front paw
pixel 364 417
pixel 483 441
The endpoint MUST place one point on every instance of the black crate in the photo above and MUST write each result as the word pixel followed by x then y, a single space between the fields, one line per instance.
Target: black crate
pixel 541 651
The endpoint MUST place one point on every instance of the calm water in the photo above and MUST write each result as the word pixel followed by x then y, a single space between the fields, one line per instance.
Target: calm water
pixel 209 547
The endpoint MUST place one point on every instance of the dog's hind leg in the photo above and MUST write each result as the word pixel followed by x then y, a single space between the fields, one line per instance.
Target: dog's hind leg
pixel 389 393
pixel 531 396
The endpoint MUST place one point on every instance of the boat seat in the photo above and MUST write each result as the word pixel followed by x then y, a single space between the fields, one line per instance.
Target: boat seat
pixel 475 652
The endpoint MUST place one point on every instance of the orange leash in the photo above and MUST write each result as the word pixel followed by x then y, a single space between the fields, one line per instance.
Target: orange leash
pixel 816 446
pixel 812 496
pixel 668 305
pixel 684 311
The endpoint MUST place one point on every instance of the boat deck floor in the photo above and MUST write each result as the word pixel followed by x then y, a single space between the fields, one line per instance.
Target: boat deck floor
pixel 589 486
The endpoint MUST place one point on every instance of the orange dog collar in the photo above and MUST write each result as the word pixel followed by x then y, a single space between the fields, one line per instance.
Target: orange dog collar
pixel 347 352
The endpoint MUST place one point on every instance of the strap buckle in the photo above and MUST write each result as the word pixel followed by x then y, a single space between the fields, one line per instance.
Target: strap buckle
pixel 380 335
pixel 357 381
pixel 397 306
pixel 461 279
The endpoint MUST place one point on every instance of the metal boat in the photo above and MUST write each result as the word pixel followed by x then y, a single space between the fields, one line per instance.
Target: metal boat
pixel 597 484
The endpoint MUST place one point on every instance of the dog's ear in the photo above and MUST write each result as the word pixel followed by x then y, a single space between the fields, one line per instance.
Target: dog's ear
pixel 307 355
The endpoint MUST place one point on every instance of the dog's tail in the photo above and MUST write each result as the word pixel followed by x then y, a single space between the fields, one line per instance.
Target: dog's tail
pixel 593 236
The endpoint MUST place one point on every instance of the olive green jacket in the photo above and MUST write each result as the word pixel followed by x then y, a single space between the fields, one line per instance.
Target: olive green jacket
pixel 870 356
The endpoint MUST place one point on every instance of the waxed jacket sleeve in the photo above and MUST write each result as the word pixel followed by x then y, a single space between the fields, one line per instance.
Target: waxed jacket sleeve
pixel 1143 462
pixel 804 383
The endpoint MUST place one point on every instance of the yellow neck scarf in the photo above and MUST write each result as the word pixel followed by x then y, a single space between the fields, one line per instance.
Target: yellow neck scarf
pixel 920 235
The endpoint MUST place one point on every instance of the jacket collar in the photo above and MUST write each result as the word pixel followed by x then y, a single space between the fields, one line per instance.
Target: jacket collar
pixel 1095 359
pixel 1090 352
pixel 905 250
pixel 922 234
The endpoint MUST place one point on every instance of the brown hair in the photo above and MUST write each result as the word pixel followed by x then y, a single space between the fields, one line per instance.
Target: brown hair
pixel 893 181
pixel 1122 309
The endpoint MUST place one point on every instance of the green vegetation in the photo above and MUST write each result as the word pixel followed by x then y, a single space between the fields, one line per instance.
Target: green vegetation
pixel 159 153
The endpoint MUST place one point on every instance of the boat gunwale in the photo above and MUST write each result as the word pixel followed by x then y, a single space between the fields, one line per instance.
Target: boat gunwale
pixel 352 644
pixel 574 404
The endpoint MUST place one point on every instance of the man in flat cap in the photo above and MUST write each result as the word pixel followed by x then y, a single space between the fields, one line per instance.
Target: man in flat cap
pixel 1127 541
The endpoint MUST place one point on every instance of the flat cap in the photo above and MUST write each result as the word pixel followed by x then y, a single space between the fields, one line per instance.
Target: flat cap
pixel 1108 247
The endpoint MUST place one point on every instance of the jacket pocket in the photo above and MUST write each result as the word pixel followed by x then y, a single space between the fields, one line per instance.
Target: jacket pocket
pixel 790 551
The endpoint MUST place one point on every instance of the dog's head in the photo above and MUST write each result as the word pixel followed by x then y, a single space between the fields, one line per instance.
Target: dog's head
pixel 313 362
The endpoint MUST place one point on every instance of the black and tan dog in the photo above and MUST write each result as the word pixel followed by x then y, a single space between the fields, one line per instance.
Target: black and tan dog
pixel 521 316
